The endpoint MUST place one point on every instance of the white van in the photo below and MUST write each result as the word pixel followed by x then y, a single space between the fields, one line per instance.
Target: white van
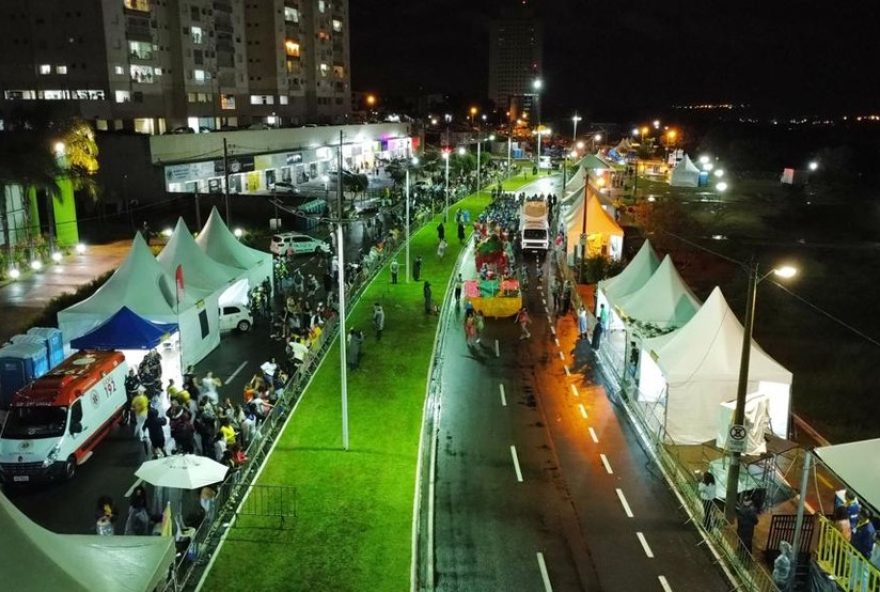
pixel 236 316
pixel 298 244
pixel 55 422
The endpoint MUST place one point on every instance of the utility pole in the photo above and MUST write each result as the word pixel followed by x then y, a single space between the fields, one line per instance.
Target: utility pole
pixel 226 180
pixel 446 155
pixel 479 143
pixel 742 386
pixel 584 241
pixel 343 334
pixel 406 236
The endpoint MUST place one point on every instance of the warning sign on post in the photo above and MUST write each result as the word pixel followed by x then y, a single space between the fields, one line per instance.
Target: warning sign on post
pixel 736 438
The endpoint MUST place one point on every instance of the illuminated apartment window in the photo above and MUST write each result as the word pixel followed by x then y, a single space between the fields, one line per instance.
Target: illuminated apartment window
pixel 142 74
pixel 262 99
pixel 61 69
pixel 322 6
pixel 119 70
pixel 324 70
pixel 140 50
pixel 227 102
pixel 141 5
pixel 200 76
pixel 338 72
pixel 291 15
pixel 282 99
pixel 45 68
pixel 123 96
pixel 337 25
pixel 196 34
pixel 291 48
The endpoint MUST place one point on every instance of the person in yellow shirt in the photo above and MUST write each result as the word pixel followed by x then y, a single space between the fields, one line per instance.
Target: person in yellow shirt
pixel 140 404
pixel 228 432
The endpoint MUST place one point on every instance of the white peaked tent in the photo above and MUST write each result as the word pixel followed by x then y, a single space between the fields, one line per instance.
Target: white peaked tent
pixel 628 281
pixel 148 290
pixel 665 300
pixel 569 202
pixel 685 174
pixel 858 465
pixel 576 181
pixel 696 368
pixel 604 236
pixel 202 275
pixel 36 559
pixel 220 244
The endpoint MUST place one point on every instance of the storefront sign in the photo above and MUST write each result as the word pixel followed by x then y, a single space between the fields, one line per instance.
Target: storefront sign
pixel 294 158
pixel 192 171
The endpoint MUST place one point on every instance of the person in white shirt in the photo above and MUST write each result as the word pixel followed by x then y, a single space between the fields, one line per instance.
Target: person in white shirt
pixel 209 385
pixel 707 494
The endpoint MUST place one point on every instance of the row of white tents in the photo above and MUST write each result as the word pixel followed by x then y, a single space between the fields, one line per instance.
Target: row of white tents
pixel 684 355
pixel 215 270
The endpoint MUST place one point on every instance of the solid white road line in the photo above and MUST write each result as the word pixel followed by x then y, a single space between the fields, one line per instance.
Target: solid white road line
pixel 556 339
pixel 624 503
pixel 664 584
pixel 237 370
pixel 567 371
pixel 583 410
pixel 544 575
pixel 574 389
pixel 645 546
pixel 133 487
pixel 607 464
pixel 594 436
pixel 497 351
pixel 516 463
pixel 503 398
pixel 561 357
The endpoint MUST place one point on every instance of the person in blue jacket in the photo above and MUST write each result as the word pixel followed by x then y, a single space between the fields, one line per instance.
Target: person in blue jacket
pixel 863 535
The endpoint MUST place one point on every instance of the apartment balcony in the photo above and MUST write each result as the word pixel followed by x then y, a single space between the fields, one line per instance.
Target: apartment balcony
pixel 138 29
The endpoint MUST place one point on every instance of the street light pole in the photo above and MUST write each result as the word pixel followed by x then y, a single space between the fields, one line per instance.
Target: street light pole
pixel 575 120
pixel 343 364
pixel 406 235
pixel 226 180
pixel 742 385
pixel 446 190
pixel 479 143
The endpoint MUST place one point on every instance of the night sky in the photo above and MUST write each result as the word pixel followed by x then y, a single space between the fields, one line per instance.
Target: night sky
pixel 625 59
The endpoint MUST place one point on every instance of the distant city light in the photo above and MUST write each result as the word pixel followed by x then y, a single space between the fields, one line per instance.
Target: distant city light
pixel 635 131
pixel 708 166
pixel 238 232
pixel 167 232
pixel 415 160
pixel 492 138
pixel 597 138
pixel 538 84
pixel 56 257
pixel 36 265
pixel 80 248
pixel 580 145
pixel 814 165
pixel 719 173
pixel 704 159
pixel 462 151
pixel 14 273
pixel 651 198
pixel 721 187
pixel 59 147
pixel 786 271
pixel 656 124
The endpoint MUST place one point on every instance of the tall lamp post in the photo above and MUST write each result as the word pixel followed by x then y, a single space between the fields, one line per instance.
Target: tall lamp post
pixel 413 161
pixel 575 119
pixel 446 155
pixel 343 365
pixel 784 272
pixel 537 85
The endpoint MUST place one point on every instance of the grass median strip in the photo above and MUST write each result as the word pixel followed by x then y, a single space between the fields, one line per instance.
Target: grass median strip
pixel 354 509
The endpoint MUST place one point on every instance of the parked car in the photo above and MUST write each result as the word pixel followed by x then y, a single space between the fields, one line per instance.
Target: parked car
pixel 236 317
pixel 297 243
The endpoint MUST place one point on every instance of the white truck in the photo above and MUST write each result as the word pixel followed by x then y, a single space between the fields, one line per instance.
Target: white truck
pixel 534 225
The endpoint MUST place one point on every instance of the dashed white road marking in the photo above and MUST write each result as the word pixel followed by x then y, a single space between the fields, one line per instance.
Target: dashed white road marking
pixel 567 371
pixel 583 410
pixel 497 350
pixel 552 329
pixel 594 436
pixel 556 339
pixel 503 398
pixel 515 458
pixel 624 503
pixel 645 546
pixel 544 575
pixel 237 370
pixel 607 464
pixel 574 389
pixel 561 357
pixel 664 584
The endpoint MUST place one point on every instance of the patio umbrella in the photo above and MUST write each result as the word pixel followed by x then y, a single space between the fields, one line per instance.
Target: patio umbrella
pixel 182 471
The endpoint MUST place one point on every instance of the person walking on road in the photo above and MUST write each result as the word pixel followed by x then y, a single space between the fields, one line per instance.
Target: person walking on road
pixel 394 267
pixel 441 232
pixel 582 323
pixel 746 520
pixel 139 406
pixel 417 269
pixel 426 293
pixel 457 289
pixel 598 328
pixel 378 320
pixel 441 248
pixel 522 317
pixel 210 384
pixel 461 232
pixel 707 494
pixel 470 329
pixel 353 348
pixel 480 322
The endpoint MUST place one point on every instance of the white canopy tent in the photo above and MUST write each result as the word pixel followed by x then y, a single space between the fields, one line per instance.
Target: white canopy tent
pixel 218 242
pixel 757 423
pixel 858 465
pixel 36 559
pixel 577 180
pixel 685 174
pixel 604 236
pixel 696 368
pixel 664 300
pixel 628 281
pixel 202 275
pixel 144 286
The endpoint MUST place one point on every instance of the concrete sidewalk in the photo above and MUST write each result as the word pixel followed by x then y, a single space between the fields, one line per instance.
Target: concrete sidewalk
pixel 22 301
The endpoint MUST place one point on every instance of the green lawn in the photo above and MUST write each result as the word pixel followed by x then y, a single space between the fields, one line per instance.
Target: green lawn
pixel 353 531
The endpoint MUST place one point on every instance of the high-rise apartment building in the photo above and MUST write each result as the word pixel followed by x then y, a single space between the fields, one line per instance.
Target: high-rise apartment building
pixel 515 61
pixel 156 65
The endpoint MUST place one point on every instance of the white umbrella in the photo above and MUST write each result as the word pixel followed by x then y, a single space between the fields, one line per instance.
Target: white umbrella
pixel 182 471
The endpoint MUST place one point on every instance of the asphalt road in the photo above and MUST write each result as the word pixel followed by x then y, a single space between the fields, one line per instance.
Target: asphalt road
pixel 584 509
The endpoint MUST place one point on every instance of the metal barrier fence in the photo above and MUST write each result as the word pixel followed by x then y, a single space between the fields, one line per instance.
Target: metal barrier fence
pixel 837 557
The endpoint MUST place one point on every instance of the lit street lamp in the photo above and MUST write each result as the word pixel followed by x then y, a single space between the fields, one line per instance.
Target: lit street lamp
pixel 721 187
pixel 575 121
pixel 813 165
pixel 537 85
pixel 446 190
pixel 784 272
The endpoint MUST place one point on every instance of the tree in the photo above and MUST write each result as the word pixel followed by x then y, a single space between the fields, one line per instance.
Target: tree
pixel 81 156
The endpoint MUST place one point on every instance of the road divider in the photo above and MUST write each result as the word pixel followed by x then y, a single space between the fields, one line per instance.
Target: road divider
pixel 624 503
pixel 515 458
pixel 606 464
pixel 542 566
pixel 645 545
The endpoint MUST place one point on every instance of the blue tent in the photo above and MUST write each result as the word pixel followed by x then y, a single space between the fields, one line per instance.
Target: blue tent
pixel 124 330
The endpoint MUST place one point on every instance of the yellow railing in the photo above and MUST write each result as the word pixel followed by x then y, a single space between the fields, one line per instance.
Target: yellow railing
pixel 838 558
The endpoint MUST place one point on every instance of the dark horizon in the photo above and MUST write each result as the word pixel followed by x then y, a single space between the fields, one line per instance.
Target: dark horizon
pixel 612 61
